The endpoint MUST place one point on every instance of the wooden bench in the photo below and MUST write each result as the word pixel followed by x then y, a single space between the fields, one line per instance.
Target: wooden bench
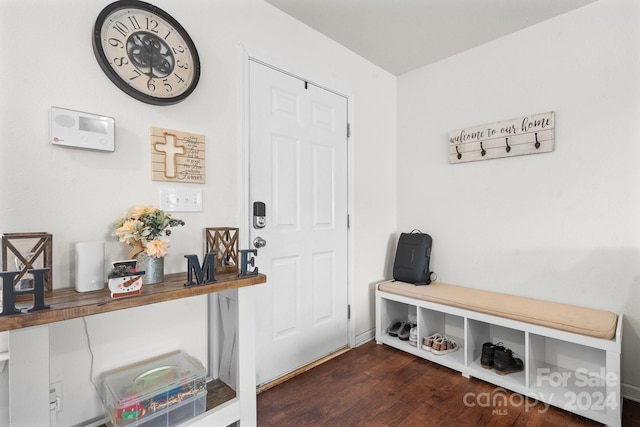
pixel 571 354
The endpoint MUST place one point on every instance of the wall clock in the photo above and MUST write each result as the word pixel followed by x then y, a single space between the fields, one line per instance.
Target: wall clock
pixel 146 52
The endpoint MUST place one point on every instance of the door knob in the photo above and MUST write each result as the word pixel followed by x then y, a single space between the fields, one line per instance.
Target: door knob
pixel 259 242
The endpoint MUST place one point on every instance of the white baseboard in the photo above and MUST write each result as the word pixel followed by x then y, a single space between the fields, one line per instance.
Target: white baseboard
pixel 97 422
pixel 631 392
pixel 365 337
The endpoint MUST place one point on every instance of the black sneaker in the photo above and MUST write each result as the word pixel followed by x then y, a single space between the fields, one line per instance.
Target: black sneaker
pixel 504 363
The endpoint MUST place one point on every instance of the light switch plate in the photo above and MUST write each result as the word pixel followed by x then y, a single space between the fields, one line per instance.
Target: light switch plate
pixel 179 200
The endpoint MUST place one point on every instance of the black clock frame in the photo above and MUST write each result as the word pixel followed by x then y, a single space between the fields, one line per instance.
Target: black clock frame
pixel 115 77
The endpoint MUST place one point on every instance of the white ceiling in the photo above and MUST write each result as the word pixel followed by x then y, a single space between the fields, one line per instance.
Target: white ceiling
pixel 402 35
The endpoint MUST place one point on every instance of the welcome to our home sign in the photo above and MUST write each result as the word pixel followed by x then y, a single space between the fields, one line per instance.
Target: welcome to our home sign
pixel 525 135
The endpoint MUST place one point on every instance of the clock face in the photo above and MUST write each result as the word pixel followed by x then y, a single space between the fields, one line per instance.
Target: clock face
pixel 146 52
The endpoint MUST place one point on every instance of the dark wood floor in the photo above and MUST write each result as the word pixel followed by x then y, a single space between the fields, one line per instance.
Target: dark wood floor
pixel 375 385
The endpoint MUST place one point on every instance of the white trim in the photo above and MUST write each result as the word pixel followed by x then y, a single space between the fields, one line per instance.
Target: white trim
pixel 250 53
pixel 96 422
pixel 631 392
pixel 365 337
pixel 351 232
pixel 243 147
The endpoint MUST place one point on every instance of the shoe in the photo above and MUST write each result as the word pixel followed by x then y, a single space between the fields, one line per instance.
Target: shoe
pixel 413 336
pixel 395 327
pixel 488 352
pixel 427 342
pixel 504 363
pixel 403 333
pixel 444 345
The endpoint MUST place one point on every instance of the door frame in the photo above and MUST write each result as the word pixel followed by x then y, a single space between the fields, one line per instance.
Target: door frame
pixel 247 54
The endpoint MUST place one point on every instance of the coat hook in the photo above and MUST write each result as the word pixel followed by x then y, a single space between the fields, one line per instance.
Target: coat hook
pixel 537 144
pixel 508 146
pixel 483 152
pixel 459 153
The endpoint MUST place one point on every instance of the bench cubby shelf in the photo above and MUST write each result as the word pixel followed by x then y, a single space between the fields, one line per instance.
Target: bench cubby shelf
pixel 574 372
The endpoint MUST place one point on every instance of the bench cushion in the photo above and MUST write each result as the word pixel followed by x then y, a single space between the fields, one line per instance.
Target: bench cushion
pixel 570 318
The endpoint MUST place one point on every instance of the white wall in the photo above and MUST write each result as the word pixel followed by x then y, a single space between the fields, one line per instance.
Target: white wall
pixel 47 60
pixel 562 226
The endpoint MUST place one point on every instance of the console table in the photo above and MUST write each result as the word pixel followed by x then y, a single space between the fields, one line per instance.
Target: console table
pixel 29 346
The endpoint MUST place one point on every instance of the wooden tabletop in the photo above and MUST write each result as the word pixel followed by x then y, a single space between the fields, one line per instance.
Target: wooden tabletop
pixel 67 304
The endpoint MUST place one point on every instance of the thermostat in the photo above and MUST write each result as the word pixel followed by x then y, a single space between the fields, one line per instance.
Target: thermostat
pixel 76 129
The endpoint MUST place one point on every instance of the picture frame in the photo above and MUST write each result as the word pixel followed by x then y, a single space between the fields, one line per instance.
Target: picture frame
pixel 25 251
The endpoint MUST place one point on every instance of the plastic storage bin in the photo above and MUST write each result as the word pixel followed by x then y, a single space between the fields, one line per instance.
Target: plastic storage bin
pixel 161 392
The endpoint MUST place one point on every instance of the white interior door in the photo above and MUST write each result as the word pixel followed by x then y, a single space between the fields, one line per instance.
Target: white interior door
pixel 298 169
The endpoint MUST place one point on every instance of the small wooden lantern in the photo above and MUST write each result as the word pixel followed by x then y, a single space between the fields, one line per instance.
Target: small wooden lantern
pixel 29 250
pixel 223 241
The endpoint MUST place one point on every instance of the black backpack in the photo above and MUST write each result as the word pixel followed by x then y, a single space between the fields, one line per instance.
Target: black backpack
pixel 412 258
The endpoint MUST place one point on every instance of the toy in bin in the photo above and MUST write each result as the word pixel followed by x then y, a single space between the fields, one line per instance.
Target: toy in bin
pixel 124 279
pixel 161 392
